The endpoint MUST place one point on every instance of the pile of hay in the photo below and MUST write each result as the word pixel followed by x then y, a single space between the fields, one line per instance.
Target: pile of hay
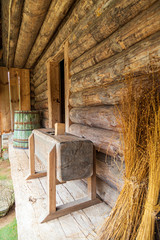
pixel 136 205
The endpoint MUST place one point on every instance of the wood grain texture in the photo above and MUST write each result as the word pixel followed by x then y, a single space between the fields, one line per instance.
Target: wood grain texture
pixel 103 21
pixel 31 155
pixel 53 93
pixel 80 10
pixel 41 88
pixel 40 76
pixel 111 173
pixel 107 193
pixel 24 77
pixel 148 23
pixel 5 25
pixel 59 128
pixel 56 12
pixel 104 140
pixel 109 95
pixel 51 180
pixel 15 21
pixel 33 16
pixel 41 105
pixel 42 96
pixel 106 117
pixel 138 60
pixel 4 100
pixel 67 85
pixel 33 195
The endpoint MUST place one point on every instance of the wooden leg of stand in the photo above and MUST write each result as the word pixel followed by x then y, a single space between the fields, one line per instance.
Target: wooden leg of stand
pixel 32 173
pixel 92 180
pixel 51 174
pixel 31 157
pixel 73 206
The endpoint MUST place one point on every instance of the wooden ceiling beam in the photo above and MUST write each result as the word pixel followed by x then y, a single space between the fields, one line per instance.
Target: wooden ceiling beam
pixel 10 28
pixel 5 19
pixel 34 13
pixel 56 13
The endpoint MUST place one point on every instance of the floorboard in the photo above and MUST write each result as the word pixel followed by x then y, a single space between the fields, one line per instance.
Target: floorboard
pixel 31 204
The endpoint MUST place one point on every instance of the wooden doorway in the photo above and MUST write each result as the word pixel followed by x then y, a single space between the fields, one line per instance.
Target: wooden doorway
pixel 58 88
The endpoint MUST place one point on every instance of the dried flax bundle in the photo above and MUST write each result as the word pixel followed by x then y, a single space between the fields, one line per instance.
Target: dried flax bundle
pixel 125 218
pixel 146 229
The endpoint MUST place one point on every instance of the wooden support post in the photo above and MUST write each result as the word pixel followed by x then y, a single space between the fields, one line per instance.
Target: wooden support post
pixel 31 154
pixel 65 209
pixel 51 175
pixel 32 173
pixel 92 180
pixel 67 85
pixel 59 128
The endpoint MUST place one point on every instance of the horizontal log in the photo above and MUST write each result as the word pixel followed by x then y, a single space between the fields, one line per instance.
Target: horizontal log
pixel 41 105
pixel 116 14
pixel 42 78
pixel 101 117
pixel 107 193
pixel 80 10
pixel 120 40
pixel 57 11
pixel 42 96
pixel 37 74
pixel 105 140
pixel 41 88
pixel 105 95
pixel 136 60
pixel 110 174
pixel 34 13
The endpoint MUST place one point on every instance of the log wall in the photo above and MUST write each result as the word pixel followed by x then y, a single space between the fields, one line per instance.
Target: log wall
pixel 109 41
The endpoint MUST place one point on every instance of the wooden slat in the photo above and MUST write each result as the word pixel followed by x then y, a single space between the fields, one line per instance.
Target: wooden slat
pixel 4 101
pixel 20 78
pixel 51 175
pixel 25 90
pixel 31 154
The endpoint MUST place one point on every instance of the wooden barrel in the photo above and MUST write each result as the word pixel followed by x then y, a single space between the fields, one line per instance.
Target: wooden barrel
pixel 24 123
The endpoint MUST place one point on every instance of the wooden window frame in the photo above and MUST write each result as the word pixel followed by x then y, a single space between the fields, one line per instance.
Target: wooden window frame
pixel 55 60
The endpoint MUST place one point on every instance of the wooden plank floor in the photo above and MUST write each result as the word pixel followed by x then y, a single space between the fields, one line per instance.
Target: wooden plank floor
pixel 31 203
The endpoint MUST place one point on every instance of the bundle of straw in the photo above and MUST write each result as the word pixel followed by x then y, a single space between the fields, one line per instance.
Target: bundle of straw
pixel 146 229
pixel 125 217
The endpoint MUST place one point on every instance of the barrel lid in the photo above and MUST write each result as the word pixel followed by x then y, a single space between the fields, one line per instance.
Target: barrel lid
pixel 27 112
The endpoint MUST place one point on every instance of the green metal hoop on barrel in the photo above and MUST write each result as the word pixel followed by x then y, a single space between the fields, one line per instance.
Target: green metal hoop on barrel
pixel 24 123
